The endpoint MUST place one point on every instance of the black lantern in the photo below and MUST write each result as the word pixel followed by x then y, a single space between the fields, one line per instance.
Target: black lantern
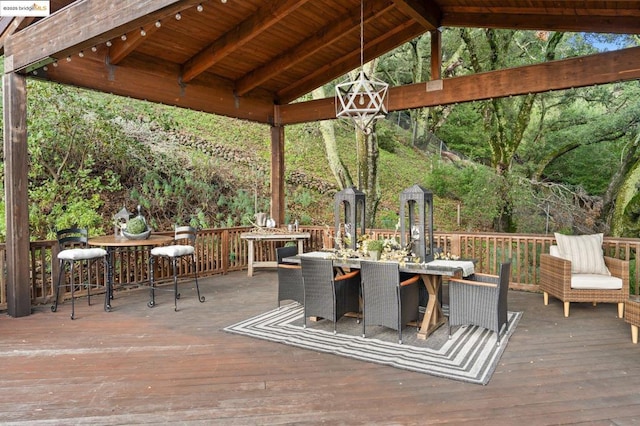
pixel 351 202
pixel 416 225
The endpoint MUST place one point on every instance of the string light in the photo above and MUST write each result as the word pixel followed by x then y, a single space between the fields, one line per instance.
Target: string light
pixel 199 8
pixel 143 32
pixel 158 24
pixel 81 54
pixel 55 64
pixel 178 16
pixel 108 43
pixel 123 37
pixel 94 49
pixel 68 58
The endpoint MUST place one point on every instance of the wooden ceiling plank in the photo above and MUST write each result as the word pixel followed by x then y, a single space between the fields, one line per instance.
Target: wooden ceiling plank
pixel 602 68
pixel 85 23
pixel 309 47
pixel 120 49
pixel 246 31
pixel 426 13
pixel 567 23
pixel 154 80
pixel 346 63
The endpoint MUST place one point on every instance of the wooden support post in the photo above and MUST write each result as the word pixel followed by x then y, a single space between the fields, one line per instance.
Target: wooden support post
pixel 436 54
pixel 16 195
pixel 277 172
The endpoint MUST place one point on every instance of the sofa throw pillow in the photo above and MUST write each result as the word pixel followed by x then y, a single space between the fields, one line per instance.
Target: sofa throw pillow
pixel 585 253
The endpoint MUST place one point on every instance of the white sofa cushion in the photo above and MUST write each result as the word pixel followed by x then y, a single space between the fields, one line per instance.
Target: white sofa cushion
pixel 585 253
pixel 555 251
pixel 595 282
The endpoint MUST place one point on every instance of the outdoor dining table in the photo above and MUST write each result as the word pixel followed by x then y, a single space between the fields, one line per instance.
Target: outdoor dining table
pixel 430 272
pixel 112 243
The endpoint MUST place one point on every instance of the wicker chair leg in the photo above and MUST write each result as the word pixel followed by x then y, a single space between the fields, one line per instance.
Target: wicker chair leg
pixel 545 297
pixel 621 310
pixel 634 334
pixel 566 309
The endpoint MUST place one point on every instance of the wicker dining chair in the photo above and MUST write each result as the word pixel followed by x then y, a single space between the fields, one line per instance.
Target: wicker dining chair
pixel 175 252
pixel 289 276
pixel 325 295
pixel 73 249
pixel 387 301
pixel 480 299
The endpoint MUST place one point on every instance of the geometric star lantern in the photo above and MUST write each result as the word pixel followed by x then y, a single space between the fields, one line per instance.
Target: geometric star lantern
pixel 363 100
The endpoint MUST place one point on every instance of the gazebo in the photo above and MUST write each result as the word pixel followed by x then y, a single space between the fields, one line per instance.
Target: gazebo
pixel 255 59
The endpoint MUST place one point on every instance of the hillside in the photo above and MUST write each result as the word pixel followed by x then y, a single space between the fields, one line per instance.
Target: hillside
pixel 240 152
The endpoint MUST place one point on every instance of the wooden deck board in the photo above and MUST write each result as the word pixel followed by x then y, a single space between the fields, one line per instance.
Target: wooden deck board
pixel 137 365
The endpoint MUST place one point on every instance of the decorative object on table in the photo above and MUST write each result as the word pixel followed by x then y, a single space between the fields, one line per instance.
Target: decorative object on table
pixel 261 219
pixel 351 203
pixel 440 255
pixel 373 248
pixel 364 99
pixel 468 356
pixel 393 250
pixel 120 220
pixel 137 228
pixel 416 231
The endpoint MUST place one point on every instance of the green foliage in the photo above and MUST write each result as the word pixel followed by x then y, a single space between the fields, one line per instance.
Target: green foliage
pixel 136 225
pixel 476 187
pixel 386 137
pixel 81 213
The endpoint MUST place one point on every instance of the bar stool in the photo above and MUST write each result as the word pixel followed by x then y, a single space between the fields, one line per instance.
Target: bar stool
pixel 73 248
pixel 173 253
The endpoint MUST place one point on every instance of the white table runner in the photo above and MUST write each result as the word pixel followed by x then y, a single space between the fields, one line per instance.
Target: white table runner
pixel 467 266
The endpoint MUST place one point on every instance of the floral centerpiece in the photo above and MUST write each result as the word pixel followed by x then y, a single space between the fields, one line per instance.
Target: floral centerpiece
pixel 445 256
pixel 392 250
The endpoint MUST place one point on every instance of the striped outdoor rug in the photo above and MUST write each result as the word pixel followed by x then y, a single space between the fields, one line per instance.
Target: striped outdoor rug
pixel 471 355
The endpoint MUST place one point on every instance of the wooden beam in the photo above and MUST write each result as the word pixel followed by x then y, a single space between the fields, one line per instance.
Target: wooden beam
pixel 436 54
pixel 155 80
pixel 346 63
pixel 328 35
pixel 16 194
pixel 277 173
pixel 84 24
pixel 426 13
pixel 265 18
pixel 526 21
pixel 602 68
pixel 120 49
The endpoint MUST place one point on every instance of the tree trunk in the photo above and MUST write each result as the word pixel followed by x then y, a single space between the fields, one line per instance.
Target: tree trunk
pixel 340 172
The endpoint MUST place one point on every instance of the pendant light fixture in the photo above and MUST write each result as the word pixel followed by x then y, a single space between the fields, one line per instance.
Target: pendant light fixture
pixel 363 99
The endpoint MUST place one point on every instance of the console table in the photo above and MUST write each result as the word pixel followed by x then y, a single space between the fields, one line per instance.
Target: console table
pixel 253 237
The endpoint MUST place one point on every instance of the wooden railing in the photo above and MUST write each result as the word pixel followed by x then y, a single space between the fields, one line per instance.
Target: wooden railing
pixel 222 250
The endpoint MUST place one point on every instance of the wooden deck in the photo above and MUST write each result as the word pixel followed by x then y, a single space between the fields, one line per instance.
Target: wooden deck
pixel 138 365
